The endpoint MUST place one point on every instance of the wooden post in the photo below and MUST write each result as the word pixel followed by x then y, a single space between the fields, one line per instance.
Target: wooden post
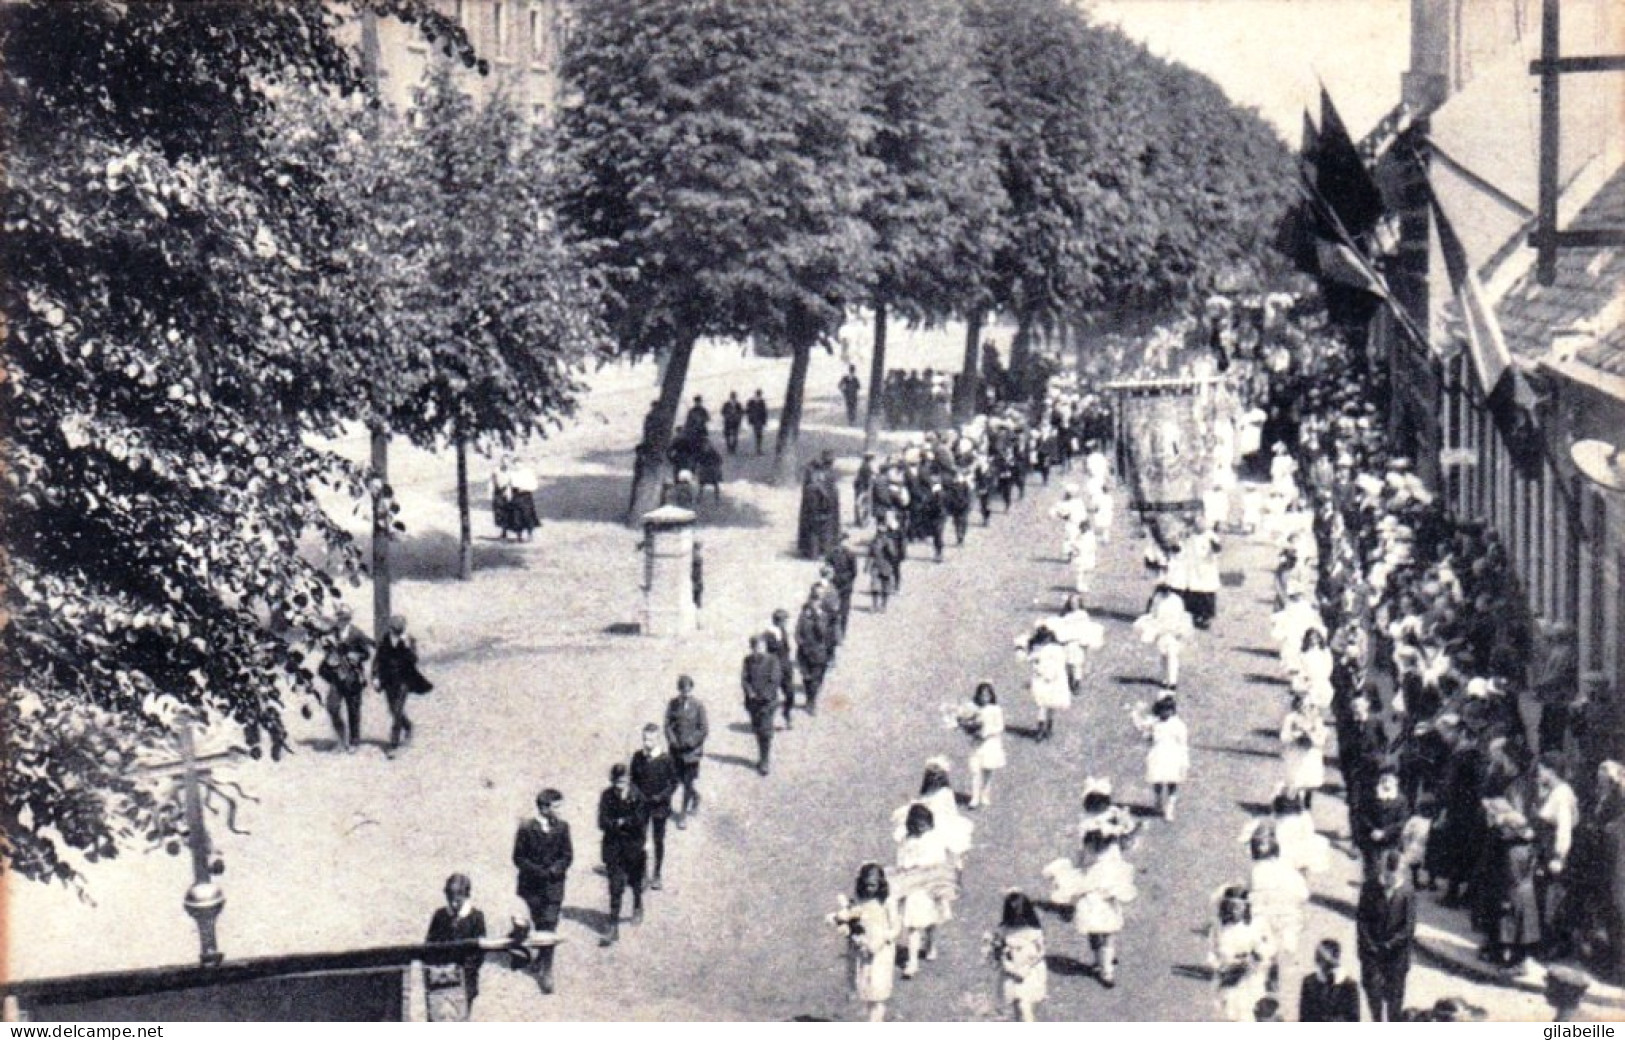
pixel 1551 41
pixel 465 523
pixel 877 378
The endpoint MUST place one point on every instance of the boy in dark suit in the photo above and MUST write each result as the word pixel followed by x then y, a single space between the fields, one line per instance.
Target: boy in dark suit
pixel 1324 996
pixel 542 852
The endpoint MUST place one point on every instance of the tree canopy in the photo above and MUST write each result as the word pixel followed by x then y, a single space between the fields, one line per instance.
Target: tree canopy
pixel 166 348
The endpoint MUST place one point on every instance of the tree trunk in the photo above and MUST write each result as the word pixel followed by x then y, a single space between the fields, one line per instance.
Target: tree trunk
pixel 648 473
pixel 1021 348
pixel 970 375
pixel 877 378
pixel 381 532
pixel 786 455
pixel 465 524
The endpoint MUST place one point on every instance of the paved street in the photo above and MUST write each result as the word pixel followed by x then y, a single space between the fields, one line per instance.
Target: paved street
pixel 538 685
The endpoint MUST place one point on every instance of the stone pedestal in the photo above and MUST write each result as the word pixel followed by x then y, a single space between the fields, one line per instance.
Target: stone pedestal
pixel 668 579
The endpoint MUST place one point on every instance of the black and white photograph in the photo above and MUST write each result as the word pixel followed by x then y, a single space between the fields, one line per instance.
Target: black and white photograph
pixel 812 511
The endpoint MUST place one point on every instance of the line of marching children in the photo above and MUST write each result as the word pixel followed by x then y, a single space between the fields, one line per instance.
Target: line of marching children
pixel 905 906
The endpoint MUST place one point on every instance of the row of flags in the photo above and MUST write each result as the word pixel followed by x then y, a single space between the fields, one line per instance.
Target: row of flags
pixel 1343 223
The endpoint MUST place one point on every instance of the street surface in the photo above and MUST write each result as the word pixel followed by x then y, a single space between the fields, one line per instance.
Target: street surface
pixel 539 683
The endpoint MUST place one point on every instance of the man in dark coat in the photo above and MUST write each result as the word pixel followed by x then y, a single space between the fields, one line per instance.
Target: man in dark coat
pixel 956 500
pixel 1324 997
pixel 698 421
pixel 830 509
pixel 1385 925
pixel 761 678
pixel 776 641
pixel 686 730
pixel 395 669
pixel 733 416
pixel 843 567
pixel 621 819
pixel 863 486
pixel 756 415
pixel 810 525
pixel 812 647
pixel 542 852
pixel 344 669
pixel 654 777
pixel 849 393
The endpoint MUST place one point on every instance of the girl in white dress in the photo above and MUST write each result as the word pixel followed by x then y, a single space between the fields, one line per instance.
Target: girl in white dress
pixel 1241 954
pixel 1079 634
pixel 1303 748
pixel 1313 677
pixel 1100 813
pixel 869 925
pixel 983 719
pixel 1098 891
pixel 1050 687
pixel 1018 949
pixel 1301 845
pixel 1279 895
pixel 925 886
pixel 1085 555
pixel 1168 760
pixel 937 794
pixel 1166 625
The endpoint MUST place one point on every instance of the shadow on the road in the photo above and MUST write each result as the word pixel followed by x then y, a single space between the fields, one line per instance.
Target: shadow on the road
pixel 1143 812
pixel 732 760
pixel 1256 651
pixel 623 628
pixel 1061 964
pixel 594 920
pixel 432 555
pixel 1338 906
pixel 1136 680
pixel 740 727
pixel 1030 732
pixel 1255 808
pixel 1231 749
pixel 1233 579
pixel 602 498
pixel 1200 972
pixel 1125 616
pixel 1266 732
pixel 1266 680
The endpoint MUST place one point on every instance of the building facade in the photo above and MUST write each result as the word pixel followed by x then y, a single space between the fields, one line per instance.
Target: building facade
pixel 1512 372
pixel 520 40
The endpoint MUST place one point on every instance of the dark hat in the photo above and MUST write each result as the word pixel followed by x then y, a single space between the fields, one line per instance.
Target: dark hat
pixel 549 796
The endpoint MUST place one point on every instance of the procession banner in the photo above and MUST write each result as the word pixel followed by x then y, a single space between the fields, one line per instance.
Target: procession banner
pixel 1164 441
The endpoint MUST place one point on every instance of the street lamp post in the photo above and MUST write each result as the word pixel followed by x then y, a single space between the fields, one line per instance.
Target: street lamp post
pixel 204 899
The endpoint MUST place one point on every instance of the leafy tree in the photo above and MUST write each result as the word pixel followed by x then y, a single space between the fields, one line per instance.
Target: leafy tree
pixel 1133 182
pixel 481 316
pixel 714 167
pixel 166 348
pixel 936 196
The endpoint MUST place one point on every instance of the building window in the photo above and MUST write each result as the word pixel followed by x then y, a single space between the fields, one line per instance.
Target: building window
pixel 538 36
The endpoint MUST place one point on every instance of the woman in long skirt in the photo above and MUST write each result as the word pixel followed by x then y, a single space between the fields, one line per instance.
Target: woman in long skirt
pixel 1018 949
pixel 502 497
pixel 870 926
pixel 1168 759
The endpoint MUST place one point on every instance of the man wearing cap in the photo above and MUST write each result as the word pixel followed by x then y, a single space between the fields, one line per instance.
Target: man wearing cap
pixel 756 416
pixel 686 731
pixel 761 679
pixel 395 669
pixel 542 852
pixel 621 818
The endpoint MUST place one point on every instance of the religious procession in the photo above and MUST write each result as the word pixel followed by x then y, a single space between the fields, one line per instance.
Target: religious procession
pixel 823 510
